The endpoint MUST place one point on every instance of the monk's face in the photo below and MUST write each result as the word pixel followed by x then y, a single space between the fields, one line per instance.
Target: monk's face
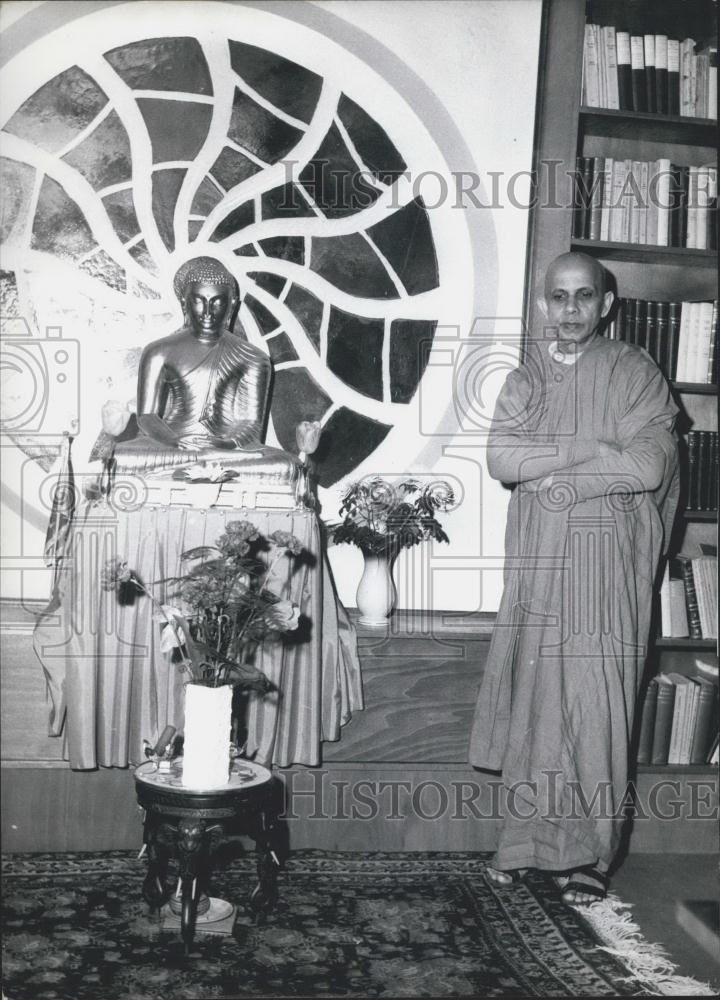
pixel 207 307
pixel 574 301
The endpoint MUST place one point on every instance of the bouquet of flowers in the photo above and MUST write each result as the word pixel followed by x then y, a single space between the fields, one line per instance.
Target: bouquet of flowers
pixel 225 605
pixel 382 518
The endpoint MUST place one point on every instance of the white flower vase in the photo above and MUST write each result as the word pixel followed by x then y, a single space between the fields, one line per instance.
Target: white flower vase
pixel 208 723
pixel 376 592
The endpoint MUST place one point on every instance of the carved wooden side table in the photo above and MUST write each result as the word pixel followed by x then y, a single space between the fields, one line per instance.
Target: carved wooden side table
pixel 191 823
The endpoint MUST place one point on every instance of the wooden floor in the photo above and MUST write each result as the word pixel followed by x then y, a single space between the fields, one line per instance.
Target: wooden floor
pixel 653 884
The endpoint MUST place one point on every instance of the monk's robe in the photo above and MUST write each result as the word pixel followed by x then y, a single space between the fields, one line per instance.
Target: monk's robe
pixel 584 536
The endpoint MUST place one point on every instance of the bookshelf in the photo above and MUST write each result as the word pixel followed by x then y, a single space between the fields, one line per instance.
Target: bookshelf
pixel 568 128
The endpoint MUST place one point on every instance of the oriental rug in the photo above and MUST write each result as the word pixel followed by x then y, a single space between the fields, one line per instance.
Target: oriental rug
pixel 345 925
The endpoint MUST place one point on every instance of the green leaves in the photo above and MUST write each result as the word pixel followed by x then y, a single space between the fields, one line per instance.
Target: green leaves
pixel 225 604
pixel 381 519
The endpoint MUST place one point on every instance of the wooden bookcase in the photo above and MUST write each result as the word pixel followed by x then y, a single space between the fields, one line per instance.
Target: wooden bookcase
pixel 565 130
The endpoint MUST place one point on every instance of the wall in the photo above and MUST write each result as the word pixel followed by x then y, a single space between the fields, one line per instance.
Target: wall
pixel 431 82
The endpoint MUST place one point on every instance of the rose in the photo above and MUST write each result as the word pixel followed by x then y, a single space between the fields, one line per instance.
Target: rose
pixel 115 417
pixel 282 616
pixel 115 572
pixel 307 435
pixel 287 541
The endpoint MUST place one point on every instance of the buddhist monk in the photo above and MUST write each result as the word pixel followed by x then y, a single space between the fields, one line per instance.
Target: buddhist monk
pixel 584 432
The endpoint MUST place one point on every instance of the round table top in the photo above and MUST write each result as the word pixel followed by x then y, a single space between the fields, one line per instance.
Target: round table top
pixel 243 774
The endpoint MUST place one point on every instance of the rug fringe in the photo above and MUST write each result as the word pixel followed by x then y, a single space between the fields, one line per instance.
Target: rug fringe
pixel 647 962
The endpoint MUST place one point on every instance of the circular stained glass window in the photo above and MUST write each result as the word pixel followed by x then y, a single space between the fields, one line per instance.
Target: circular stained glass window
pixel 133 158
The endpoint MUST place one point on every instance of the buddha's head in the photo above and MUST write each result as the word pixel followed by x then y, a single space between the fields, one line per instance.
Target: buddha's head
pixel 208 294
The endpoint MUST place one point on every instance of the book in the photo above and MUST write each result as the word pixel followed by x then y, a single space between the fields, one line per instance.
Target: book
pixel 628 196
pixel 629 307
pixel 712 111
pixel 606 199
pixel 624 71
pixel 692 209
pixel 693 86
pixel 703 729
pixel 662 323
pixel 681 712
pixel 703 489
pixel 651 343
pixel 711 237
pixel 693 448
pixel 610 66
pixel 692 345
pixel 683 204
pixel 647 724
pixel 714 471
pixel 602 65
pixel 585 188
pixel 704 186
pixel 637 68
pixel 649 53
pixel 689 720
pixel 591 71
pixel 703 334
pixel 687 49
pixel 661 74
pixel 677 200
pixel 673 615
pixel 682 368
pixel 678 610
pixel 662 179
pixel 675 310
pixel 639 331
pixel 636 203
pixel 619 176
pixel 691 602
pixel 673 76
pixel 709 378
pixel 702 65
pixel 594 211
pixel 705 576
pixel 663 720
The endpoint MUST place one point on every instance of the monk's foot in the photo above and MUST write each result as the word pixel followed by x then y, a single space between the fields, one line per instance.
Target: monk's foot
pixel 584 886
pixel 509 877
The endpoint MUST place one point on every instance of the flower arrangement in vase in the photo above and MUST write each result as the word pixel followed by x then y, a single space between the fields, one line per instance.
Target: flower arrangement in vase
pixel 224 609
pixel 382 518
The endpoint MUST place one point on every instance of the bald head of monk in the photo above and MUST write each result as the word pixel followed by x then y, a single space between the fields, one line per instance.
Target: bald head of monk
pixel 575 299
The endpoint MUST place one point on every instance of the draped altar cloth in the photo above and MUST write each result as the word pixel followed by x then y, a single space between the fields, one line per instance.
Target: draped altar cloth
pixel 111 686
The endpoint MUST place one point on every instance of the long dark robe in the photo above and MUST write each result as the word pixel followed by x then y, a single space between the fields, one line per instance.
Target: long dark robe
pixel 556 705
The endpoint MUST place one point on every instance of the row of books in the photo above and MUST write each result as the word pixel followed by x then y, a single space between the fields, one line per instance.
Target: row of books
pixel 679 721
pixel 681 337
pixel 688 598
pixel 657 203
pixel 648 73
pixel 702 470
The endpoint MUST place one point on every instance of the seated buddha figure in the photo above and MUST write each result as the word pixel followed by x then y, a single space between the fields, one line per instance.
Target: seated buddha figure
pixel 202 392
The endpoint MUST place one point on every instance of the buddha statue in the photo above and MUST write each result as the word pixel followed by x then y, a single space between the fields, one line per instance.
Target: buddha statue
pixel 202 392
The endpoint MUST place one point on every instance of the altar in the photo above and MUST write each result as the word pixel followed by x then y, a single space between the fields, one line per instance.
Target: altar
pixel 109 683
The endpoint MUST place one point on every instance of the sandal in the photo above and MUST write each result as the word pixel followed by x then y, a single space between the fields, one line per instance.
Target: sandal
pixel 505 877
pixel 585 882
